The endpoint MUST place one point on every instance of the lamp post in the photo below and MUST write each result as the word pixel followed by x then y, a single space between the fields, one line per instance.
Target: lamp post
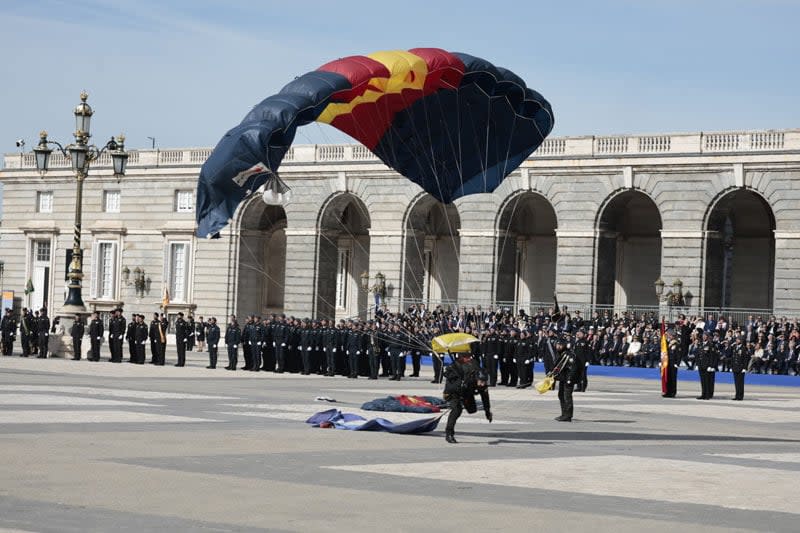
pixel 81 155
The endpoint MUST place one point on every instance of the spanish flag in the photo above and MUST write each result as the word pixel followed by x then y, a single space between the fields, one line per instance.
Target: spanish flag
pixel 165 299
pixel 664 356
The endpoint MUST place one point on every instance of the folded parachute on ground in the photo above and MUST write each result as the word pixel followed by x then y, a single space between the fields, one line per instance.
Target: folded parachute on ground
pixel 453 123
pixel 334 418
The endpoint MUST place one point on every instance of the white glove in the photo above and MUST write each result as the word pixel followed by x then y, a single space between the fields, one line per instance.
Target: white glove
pixel 676 366
pixel 273 344
pixel 99 338
pixel 744 371
pixel 46 334
pixel 709 369
pixel 587 364
pixel 235 346
pixel 358 352
pixel 496 357
pixel 214 346
pixel 514 360
pixel 283 344
pixel 334 350
pixel 347 352
pixel 308 349
pixel 527 361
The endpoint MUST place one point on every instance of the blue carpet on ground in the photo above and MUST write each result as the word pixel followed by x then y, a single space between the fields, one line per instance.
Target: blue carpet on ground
pixel 654 374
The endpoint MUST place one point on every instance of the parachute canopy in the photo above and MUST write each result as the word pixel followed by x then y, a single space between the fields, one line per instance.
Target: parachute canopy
pixel 453 343
pixel 450 122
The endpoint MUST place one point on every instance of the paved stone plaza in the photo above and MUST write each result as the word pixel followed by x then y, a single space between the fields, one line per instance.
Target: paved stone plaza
pixel 102 447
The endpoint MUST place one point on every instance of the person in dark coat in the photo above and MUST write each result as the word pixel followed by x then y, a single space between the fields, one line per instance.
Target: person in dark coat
pixel 673 359
pixel 96 331
pixel 140 337
pixel 212 336
pixel 233 336
pixel 130 336
pixel 156 334
pixel 44 334
pixel 463 380
pixel 25 332
pixel 740 358
pixel 181 339
pixel 116 334
pixel 8 329
pixel 76 332
pixel 567 372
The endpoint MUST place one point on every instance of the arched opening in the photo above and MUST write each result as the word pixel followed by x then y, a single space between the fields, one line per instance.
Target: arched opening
pixel 262 259
pixel 740 252
pixel 526 251
pixel 628 251
pixel 343 256
pixel 432 248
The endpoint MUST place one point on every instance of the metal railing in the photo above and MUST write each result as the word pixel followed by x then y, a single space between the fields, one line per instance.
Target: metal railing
pixel 556 147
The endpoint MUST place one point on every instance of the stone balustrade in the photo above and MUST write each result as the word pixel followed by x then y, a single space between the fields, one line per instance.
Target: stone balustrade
pixel 556 147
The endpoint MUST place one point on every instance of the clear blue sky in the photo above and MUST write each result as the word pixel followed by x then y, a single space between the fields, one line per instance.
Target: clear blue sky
pixel 185 72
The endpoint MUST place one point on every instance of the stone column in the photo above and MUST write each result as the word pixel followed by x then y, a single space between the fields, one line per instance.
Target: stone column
pixel 386 256
pixel 786 295
pixel 682 257
pixel 301 270
pixel 476 280
pixel 575 265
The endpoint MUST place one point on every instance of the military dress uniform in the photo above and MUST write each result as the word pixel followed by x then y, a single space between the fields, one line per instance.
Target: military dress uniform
pixel 140 337
pixel 673 359
pixel 740 358
pixel 212 338
pixel 96 330
pixel 707 368
pixel 8 327
pixel 567 373
pixel 76 332
pixel 116 333
pixel 233 336
pixel 582 357
pixel 464 379
pixel 181 338
pixel 44 335
pixel 156 333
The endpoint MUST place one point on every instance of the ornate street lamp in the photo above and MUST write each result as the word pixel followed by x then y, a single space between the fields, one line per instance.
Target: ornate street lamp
pixel 380 285
pixel 365 281
pixel 659 284
pixel 81 155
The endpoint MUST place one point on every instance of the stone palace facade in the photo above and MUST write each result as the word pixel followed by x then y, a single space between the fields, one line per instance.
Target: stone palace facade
pixel 596 219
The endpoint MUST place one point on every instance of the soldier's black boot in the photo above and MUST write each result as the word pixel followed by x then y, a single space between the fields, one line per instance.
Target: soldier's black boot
pixel 450 437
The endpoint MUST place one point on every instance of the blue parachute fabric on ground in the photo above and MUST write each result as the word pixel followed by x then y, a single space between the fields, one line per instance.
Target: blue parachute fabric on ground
pixel 392 403
pixel 353 422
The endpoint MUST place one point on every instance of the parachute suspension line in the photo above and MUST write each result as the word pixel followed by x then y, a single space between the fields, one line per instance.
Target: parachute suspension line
pixel 508 148
pixel 264 272
pixel 432 164
pixel 436 176
pixel 516 203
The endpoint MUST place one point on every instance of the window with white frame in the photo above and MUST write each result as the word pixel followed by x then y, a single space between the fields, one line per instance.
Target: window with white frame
pixel 42 251
pixel 104 270
pixel 44 201
pixel 111 200
pixel 178 270
pixel 184 201
pixel 342 277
